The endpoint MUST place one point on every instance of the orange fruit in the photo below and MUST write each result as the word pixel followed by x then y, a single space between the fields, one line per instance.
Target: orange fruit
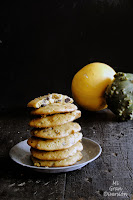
pixel 89 85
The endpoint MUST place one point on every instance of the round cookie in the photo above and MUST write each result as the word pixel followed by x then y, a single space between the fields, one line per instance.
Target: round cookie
pixel 54 108
pixel 54 120
pixel 56 131
pixel 60 163
pixel 48 99
pixel 56 144
pixel 57 155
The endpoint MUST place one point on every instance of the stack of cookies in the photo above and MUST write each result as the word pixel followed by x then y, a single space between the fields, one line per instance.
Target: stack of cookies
pixel 55 139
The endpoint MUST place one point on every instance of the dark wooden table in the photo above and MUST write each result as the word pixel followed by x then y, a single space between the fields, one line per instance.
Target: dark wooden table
pixel 112 170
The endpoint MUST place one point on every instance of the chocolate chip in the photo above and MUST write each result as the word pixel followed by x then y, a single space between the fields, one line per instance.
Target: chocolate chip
pixel 58 101
pixel 67 100
pixel 47 98
pixel 43 104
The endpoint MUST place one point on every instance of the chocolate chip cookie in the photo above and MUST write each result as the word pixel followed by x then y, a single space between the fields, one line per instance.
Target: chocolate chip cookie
pixel 54 120
pixel 55 144
pixel 48 99
pixel 56 131
pixel 60 163
pixel 54 108
pixel 57 155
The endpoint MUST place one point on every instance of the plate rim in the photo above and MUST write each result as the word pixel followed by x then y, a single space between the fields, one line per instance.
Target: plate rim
pixel 56 168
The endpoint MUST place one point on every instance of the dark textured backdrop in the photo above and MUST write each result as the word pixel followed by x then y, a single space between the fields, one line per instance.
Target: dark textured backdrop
pixel 44 43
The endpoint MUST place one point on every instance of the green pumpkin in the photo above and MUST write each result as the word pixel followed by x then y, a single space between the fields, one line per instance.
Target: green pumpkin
pixel 119 96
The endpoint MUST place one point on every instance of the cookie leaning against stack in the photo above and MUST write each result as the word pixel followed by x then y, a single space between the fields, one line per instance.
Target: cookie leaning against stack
pixel 55 139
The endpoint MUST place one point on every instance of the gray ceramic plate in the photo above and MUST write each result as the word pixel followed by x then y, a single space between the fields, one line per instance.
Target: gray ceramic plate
pixel 20 153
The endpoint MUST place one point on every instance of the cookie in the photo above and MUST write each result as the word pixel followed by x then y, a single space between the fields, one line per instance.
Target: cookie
pixel 48 99
pixel 55 144
pixel 54 108
pixel 60 163
pixel 56 131
pixel 57 155
pixel 54 120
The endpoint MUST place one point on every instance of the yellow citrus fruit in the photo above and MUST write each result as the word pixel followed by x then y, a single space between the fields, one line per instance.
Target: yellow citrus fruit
pixel 89 85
